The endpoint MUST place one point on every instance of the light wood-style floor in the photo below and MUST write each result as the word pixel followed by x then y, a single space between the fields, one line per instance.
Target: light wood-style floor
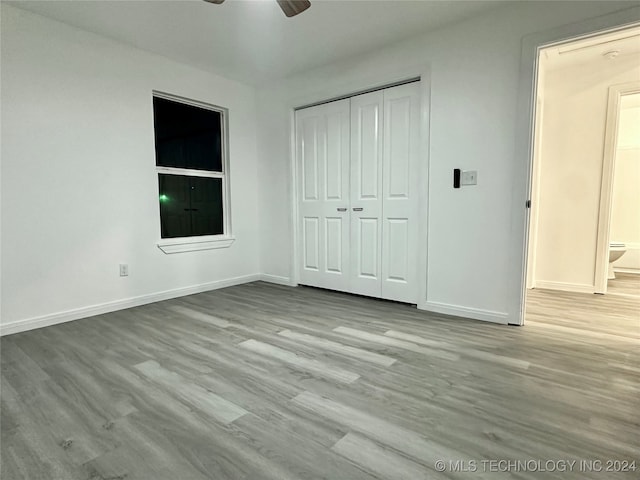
pixel 267 382
pixel 624 284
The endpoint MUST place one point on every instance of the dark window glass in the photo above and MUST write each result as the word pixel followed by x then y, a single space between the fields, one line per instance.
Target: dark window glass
pixel 190 206
pixel 187 136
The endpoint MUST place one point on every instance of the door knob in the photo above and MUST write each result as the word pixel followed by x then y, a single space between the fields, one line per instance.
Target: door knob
pixel 357 209
pixel 342 209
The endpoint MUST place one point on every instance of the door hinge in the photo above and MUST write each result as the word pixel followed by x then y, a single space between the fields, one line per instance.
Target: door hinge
pixel 528 204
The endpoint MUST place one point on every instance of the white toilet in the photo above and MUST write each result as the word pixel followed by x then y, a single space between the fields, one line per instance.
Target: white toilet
pixel 616 250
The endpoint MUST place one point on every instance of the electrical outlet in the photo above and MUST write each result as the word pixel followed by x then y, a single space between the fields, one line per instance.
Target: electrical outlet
pixel 124 270
pixel 469 177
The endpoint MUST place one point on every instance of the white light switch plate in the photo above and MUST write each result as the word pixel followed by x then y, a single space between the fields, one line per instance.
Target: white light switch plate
pixel 469 177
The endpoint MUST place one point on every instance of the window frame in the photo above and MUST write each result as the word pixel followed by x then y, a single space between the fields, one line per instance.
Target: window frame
pixel 199 242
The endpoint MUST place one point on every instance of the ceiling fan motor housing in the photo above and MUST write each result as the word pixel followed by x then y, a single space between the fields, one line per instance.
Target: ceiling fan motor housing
pixel 289 7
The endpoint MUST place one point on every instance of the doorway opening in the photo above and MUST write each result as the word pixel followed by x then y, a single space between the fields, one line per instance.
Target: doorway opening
pixel 583 258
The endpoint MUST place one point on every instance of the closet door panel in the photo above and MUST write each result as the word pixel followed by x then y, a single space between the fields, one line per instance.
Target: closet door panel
pixel 336 171
pixel 366 193
pixel 396 247
pixel 368 252
pixel 335 250
pixel 400 192
pixel 311 137
pixel 322 150
pixel 367 150
pixel 311 242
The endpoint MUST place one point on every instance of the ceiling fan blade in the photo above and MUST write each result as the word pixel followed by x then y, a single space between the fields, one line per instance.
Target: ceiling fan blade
pixel 215 1
pixel 293 7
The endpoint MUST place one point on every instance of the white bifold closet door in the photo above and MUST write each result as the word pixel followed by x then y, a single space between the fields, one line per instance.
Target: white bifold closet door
pixel 322 150
pixel 358 197
pixel 366 194
pixel 400 193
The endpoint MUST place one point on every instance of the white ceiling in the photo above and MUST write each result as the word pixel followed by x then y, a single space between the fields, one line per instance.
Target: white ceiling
pixel 252 41
pixel 592 50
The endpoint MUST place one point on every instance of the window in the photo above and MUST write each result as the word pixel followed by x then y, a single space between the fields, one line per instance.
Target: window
pixel 192 173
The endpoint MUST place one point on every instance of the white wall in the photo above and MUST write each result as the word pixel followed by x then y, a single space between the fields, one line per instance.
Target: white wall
pixel 573 129
pixel 79 191
pixel 625 214
pixel 474 79
pixel 79 187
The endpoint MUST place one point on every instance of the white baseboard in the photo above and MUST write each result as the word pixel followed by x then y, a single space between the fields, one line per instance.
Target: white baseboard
pixel 565 287
pixel 266 277
pixel 635 271
pixel 78 313
pixel 466 312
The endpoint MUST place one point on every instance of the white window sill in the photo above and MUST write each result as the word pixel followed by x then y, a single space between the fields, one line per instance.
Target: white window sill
pixel 193 244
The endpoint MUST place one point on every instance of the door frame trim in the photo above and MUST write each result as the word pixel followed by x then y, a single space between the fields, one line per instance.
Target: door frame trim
pixel 423 75
pixel 524 142
pixel 616 92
